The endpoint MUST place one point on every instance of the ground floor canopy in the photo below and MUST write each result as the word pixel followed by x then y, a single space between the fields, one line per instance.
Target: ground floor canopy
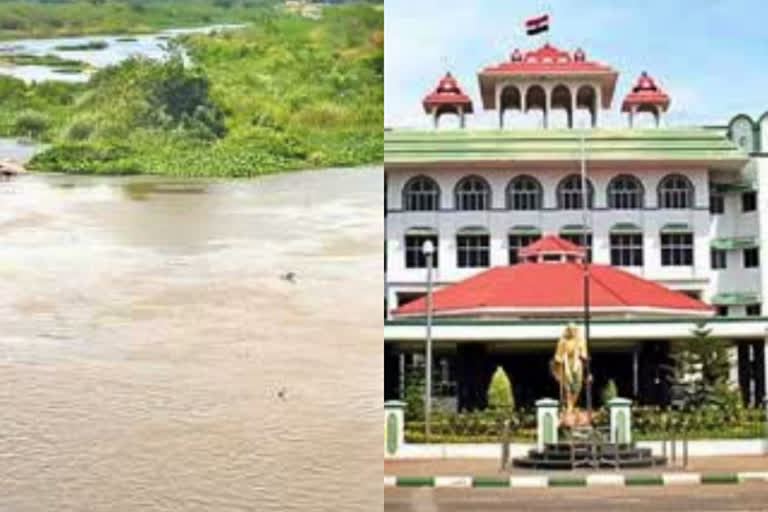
pixel 635 354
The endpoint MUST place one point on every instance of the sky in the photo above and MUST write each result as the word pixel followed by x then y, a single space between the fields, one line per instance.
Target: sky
pixel 710 56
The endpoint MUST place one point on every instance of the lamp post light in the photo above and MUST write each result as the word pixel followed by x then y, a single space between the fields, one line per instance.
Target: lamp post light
pixel 428 249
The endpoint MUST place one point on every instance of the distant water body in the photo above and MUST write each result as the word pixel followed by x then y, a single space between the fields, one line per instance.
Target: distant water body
pixel 120 47
pixel 145 334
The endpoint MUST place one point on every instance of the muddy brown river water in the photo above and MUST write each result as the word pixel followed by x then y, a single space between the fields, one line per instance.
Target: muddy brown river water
pixel 145 334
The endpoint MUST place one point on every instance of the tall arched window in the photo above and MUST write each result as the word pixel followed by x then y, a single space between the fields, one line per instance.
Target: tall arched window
pixel 569 194
pixel 675 191
pixel 625 192
pixel 421 194
pixel 473 193
pixel 524 193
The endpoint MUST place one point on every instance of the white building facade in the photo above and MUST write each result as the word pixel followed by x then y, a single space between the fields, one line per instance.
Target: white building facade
pixel 679 206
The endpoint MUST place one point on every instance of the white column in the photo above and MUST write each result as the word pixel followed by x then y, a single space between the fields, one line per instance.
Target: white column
pixel 461 116
pixel 523 103
pixel 765 370
pixel 598 106
pixel 573 106
pixel 499 88
pixel 733 358
pixel 546 422
pixel 394 427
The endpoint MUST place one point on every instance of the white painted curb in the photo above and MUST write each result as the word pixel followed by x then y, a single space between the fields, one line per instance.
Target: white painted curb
pixel 681 478
pixel 528 481
pixel 453 481
pixel 604 479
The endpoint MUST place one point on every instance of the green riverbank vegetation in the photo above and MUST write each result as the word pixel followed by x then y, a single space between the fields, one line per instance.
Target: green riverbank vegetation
pixel 54 18
pixel 90 45
pixel 26 59
pixel 284 93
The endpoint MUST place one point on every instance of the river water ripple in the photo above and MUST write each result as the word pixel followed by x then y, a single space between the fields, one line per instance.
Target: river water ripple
pixel 145 333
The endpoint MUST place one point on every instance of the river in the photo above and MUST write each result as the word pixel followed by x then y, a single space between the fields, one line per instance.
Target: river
pixel 119 47
pixel 145 336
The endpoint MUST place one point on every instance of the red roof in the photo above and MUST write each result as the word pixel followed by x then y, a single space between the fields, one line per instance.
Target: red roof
pixel 447 93
pixel 551 244
pixel 645 92
pixel 553 289
pixel 548 60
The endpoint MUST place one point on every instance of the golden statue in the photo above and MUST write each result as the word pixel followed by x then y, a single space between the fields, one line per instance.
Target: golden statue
pixel 568 366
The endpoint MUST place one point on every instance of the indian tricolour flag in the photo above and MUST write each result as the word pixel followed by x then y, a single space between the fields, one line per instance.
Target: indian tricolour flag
pixel 537 25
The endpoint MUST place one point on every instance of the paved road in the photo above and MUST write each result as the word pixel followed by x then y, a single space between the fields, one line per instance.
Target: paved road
pixel 700 498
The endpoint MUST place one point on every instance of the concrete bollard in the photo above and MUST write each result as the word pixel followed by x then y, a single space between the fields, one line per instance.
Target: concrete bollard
pixel 621 420
pixel 547 422
pixel 394 427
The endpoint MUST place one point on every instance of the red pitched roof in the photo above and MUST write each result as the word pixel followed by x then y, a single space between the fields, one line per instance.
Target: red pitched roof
pixel 554 288
pixel 645 92
pixel 448 93
pixel 551 244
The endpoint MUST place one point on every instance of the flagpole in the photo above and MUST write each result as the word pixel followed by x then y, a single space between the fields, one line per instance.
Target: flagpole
pixel 585 263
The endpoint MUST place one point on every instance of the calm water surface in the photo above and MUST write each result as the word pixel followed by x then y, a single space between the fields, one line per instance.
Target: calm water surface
pixel 145 333
pixel 147 45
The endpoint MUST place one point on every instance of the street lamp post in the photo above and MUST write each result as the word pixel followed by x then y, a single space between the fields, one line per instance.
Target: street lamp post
pixel 584 242
pixel 428 249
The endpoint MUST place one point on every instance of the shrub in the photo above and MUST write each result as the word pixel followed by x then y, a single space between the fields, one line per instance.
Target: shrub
pixel 500 397
pixel 414 394
pixel 31 123
pixel 609 392
pixel 80 129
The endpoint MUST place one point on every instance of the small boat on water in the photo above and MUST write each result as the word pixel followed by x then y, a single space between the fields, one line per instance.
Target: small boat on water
pixel 9 169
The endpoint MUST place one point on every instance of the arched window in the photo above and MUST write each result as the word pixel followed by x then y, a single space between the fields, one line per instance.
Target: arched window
pixel 742 132
pixel 421 194
pixel 675 191
pixel 524 193
pixel 473 193
pixel 625 193
pixel 569 194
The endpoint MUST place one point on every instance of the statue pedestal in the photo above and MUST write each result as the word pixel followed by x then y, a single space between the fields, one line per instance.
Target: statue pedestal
pixel 577 418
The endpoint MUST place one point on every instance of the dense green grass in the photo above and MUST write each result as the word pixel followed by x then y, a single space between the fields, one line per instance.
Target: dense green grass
pixel 50 18
pixel 284 93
